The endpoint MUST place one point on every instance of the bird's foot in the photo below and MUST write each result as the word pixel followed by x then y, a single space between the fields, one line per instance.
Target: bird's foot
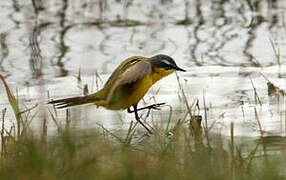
pixel 152 106
pixel 155 106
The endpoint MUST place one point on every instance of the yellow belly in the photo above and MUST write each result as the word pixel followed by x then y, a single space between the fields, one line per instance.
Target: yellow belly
pixel 129 95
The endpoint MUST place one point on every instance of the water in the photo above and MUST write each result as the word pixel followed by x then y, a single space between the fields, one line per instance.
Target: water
pixel 224 45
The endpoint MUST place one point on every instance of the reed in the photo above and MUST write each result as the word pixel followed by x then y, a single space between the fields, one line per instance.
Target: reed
pixel 172 152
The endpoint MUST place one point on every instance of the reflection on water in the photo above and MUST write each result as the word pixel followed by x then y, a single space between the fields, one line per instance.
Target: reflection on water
pixel 55 39
pixel 36 58
pixel 4 49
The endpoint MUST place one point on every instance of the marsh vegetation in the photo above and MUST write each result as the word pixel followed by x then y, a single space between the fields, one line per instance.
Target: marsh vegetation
pixel 224 119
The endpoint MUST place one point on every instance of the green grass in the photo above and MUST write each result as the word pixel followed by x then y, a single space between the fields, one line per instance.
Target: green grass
pixel 92 155
pixel 183 150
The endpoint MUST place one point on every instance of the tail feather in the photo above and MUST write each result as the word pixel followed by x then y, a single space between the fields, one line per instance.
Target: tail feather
pixel 74 101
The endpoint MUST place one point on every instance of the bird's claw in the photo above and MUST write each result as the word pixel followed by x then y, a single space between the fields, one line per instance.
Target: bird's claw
pixel 153 106
pixel 156 106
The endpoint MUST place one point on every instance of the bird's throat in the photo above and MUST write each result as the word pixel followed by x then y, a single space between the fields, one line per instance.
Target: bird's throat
pixel 159 73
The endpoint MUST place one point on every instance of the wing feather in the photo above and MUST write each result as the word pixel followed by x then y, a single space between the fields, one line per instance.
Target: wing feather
pixel 135 72
pixel 131 74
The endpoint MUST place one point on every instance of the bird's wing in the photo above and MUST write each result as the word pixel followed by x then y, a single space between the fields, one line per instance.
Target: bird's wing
pixel 136 71
pixel 121 69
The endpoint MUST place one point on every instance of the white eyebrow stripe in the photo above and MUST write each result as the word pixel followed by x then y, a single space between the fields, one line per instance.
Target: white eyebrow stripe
pixel 166 62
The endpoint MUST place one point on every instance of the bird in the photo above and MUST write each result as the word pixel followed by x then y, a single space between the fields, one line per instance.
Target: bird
pixel 127 85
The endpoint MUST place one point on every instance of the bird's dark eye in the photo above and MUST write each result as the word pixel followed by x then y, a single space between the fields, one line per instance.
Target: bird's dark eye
pixel 168 67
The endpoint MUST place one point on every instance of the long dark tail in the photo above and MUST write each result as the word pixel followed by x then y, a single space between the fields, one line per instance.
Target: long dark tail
pixel 74 101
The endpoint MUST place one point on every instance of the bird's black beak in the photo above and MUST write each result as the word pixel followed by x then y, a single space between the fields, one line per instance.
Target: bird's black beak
pixel 179 69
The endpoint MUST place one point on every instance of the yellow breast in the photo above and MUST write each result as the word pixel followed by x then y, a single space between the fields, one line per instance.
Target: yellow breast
pixel 130 94
pixel 140 89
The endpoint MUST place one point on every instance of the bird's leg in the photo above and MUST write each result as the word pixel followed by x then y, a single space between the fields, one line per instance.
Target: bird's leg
pixel 152 106
pixel 138 118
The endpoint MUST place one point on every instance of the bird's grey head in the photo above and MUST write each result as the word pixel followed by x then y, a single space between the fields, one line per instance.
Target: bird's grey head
pixel 166 62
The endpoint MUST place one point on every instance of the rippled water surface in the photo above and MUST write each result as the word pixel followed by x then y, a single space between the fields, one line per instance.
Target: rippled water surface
pixel 230 49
